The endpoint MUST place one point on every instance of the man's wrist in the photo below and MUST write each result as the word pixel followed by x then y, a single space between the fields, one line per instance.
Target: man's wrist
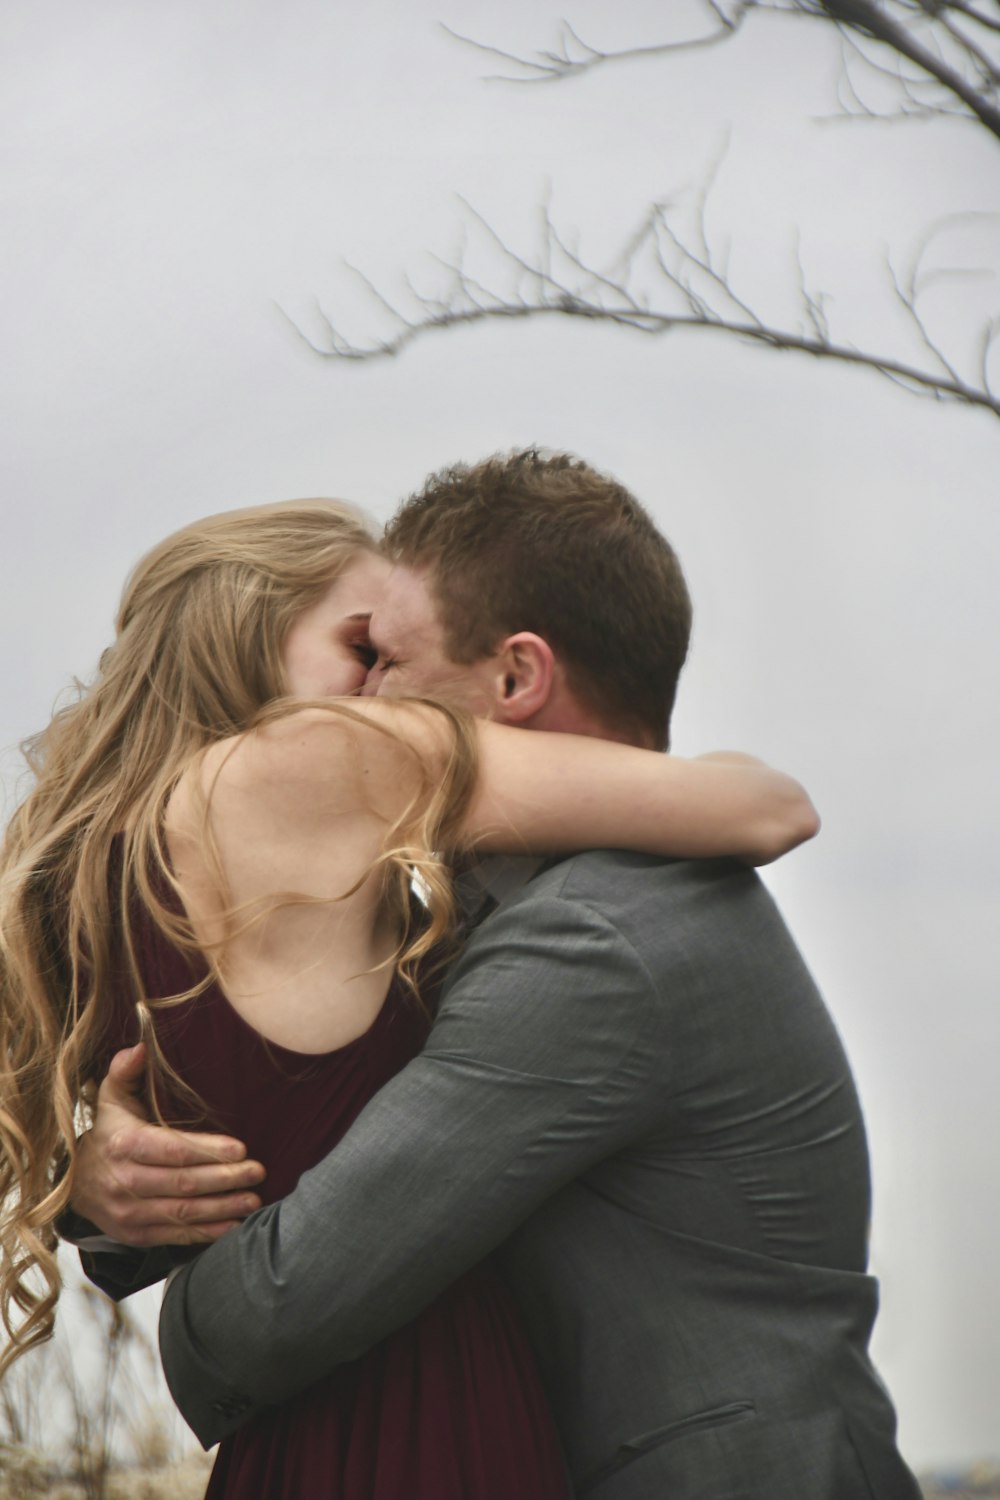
pixel 76 1230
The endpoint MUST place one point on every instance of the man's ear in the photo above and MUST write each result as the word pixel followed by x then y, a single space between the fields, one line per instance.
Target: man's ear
pixel 525 668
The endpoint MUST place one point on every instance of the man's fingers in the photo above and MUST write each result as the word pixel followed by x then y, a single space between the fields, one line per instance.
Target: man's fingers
pixel 230 1209
pixel 206 1233
pixel 167 1219
pixel 180 1234
pixel 134 1180
pixel 158 1146
pixel 173 1214
pixel 146 1206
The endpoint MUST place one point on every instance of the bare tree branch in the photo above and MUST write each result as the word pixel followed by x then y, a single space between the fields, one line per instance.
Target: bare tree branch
pixel 938 58
pixel 983 61
pixel 918 94
pixel 951 58
pixel 664 281
pixel 653 322
pixel 875 18
pixel 992 23
pixel 573 56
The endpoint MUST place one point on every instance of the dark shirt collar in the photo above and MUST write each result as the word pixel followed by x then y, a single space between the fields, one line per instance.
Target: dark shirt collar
pixel 493 881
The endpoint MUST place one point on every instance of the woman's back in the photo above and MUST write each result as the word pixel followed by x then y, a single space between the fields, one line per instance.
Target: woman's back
pixel 310 973
pixel 447 1408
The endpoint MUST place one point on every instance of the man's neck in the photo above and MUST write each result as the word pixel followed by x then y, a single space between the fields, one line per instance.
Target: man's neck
pixel 566 715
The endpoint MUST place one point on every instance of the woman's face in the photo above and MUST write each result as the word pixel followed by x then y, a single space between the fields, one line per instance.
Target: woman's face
pixel 326 652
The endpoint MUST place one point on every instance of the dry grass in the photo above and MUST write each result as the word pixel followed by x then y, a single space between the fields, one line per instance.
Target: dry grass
pixel 25 1475
pixel 981 1482
pixel 78 1422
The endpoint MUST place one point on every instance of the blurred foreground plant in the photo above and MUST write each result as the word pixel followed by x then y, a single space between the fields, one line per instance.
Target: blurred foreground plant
pixel 83 1419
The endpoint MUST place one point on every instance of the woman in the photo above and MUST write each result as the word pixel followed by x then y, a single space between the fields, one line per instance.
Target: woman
pixel 244 899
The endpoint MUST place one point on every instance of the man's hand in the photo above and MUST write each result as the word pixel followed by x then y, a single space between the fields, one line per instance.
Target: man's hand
pixel 146 1185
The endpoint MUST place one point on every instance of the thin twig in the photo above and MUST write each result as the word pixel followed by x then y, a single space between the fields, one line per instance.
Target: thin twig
pixel 657 323
pixel 549 66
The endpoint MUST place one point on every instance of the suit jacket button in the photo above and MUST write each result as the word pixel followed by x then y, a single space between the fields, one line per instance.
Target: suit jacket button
pixel 230 1406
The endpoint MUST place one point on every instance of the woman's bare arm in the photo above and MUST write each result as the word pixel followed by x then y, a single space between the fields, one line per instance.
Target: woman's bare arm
pixel 536 792
pixel 555 793
pixel 317 773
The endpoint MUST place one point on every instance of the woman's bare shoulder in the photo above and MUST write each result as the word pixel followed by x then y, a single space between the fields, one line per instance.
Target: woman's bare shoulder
pixel 315 763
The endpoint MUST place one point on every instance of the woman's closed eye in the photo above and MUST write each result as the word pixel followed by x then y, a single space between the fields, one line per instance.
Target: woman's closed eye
pixel 367 654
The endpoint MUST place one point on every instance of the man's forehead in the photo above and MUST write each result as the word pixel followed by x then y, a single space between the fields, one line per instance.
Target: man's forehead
pixel 406 606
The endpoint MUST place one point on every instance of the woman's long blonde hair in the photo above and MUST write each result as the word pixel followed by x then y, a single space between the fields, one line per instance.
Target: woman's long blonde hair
pixel 196 658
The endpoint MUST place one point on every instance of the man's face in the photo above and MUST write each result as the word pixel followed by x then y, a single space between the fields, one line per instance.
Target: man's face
pixel 413 659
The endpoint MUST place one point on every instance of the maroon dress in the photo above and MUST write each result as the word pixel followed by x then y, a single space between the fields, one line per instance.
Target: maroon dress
pixel 448 1407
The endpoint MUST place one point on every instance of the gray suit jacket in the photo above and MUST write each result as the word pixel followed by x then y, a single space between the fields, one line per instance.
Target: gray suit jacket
pixel 634 1090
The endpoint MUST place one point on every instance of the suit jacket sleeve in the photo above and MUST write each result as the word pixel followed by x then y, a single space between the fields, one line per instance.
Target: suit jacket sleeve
pixel 119 1270
pixel 540 1063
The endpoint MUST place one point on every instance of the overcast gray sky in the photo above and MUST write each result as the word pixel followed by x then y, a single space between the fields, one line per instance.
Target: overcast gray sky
pixel 176 176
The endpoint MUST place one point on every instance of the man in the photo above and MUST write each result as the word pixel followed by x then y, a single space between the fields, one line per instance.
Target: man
pixel 632 1087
